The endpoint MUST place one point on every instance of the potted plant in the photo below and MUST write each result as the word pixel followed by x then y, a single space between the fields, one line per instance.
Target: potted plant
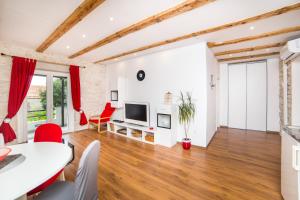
pixel 186 115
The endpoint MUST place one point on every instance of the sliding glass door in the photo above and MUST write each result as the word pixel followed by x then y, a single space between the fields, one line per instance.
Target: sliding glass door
pixel 48 101
pixel 60 109
pixel 37 102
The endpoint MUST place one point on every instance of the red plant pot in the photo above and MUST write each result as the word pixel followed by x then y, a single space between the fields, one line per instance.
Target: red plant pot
pixel 186 143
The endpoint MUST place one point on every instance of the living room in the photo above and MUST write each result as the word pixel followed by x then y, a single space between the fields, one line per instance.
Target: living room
pixel 145 99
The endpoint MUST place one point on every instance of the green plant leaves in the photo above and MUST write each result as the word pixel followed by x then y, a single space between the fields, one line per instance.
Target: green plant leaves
pixel 187 110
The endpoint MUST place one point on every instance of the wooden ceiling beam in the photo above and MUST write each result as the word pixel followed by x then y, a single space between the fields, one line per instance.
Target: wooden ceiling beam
pixel 77 15
pixel 273 13
pixel 248 57
pixel 255 48
pixel 254 37
pixel 167 14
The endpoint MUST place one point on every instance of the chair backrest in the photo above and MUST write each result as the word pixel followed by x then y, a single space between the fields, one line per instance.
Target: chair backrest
pixel 48 133
pixel 87 173
pixel 108 110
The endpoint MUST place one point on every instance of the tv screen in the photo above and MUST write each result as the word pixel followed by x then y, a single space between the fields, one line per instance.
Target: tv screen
pixel 136 112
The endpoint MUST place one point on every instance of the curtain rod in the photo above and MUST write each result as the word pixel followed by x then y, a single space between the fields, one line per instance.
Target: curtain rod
pixel 57 63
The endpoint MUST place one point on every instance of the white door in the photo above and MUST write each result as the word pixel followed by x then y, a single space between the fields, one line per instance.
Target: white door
pixel 257 96
pixel 237 96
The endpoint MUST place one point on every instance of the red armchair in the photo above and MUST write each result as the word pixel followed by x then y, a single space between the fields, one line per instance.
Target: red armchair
pixel 47 133
pixel 105 116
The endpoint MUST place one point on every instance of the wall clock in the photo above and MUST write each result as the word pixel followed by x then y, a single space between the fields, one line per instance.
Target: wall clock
pixel 140 75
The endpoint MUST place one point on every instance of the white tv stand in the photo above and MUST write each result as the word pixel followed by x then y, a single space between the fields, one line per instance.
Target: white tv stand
pixel 113 127
pixel 162 136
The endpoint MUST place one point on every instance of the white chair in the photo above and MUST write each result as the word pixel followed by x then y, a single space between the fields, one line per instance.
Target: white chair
pixel 85 186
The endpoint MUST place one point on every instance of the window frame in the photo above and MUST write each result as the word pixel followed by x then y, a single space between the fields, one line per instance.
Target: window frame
pixel 49 86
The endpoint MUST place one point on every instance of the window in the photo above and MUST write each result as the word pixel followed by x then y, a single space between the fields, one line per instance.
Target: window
pixel 60 109
pixel 49 101
pixel 37 103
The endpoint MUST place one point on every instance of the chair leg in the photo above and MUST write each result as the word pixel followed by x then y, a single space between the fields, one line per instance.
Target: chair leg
pixel 61 177
pixel 99 128
pixel 103 131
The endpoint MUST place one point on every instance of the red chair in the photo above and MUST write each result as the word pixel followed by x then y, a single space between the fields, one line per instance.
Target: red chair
pixel 105 116
pixel 47 133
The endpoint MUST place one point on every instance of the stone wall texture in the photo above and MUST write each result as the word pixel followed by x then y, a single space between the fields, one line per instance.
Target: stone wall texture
pixel 93 80
pixel 281 94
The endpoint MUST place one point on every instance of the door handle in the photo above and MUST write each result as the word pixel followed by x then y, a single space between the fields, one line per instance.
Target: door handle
pixel 296 150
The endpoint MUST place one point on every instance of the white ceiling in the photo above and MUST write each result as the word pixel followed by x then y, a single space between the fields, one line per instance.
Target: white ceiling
pixel 28 23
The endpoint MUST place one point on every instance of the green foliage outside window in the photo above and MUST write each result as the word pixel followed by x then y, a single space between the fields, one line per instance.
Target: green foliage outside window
pixel 41 115
pixel 57 92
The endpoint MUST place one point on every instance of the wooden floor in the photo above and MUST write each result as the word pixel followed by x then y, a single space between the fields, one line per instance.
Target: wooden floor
pixel 236 165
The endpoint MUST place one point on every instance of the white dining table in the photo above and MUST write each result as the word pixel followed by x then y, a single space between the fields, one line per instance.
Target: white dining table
pixel 42 161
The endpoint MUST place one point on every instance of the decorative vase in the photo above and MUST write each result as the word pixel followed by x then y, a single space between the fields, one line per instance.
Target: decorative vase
pixel 186 143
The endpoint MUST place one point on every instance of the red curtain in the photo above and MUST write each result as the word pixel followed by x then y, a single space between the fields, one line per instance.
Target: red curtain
pixel 75 90
pixel 21 75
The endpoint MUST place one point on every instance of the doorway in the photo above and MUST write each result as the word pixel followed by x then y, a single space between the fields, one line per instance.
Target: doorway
pixel 48 101
pixel 247 96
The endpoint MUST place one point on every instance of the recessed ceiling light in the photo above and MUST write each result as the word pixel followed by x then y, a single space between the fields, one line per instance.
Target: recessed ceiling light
pixel 252 28
pixel 111 19
pixel 68 47
pixel 83 35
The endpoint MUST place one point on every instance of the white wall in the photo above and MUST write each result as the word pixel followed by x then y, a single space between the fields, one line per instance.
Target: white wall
pixel 223 95
pixel 273 123
pixel 296 92
pixel 212 120
pixel 182 69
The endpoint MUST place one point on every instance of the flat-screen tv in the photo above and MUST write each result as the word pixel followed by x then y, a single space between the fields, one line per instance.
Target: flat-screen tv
pixel 137 113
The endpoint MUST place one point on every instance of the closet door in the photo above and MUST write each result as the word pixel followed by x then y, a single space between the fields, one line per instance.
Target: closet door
pixel 237 96
pixel 257 96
